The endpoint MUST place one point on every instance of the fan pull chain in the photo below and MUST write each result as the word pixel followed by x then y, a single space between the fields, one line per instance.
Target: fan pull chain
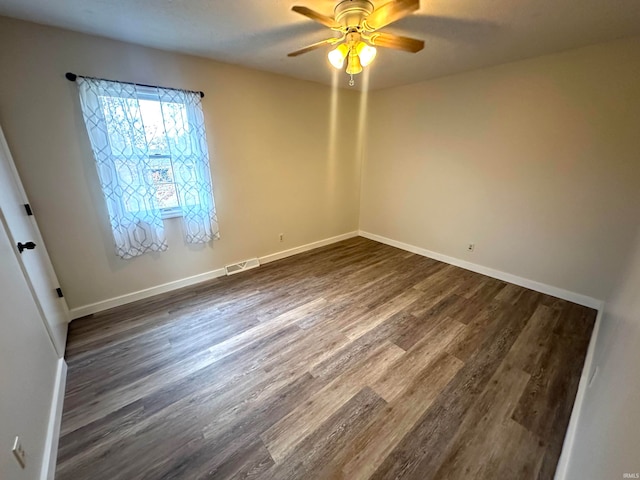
pixel 352 81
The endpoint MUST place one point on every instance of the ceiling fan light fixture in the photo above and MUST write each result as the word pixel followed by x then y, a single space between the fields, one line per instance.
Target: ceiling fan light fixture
pixel 337 55
pixel 357 22
pixel 366 53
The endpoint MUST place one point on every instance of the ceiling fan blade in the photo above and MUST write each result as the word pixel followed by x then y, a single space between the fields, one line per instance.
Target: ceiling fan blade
pixel 390 12
pixel 397 42
pixel 313 46
pixel 317 17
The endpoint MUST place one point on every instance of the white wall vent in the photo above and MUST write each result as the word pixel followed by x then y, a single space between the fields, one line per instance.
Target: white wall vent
pixel 242 266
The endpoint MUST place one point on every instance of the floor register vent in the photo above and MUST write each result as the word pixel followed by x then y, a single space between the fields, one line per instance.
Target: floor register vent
pixel 242 266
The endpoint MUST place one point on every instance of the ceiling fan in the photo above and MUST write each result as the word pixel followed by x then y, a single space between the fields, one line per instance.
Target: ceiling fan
pixel 358 22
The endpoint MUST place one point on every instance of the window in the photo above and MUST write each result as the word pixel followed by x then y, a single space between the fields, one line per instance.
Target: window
pixel 151 154
pixel 160 166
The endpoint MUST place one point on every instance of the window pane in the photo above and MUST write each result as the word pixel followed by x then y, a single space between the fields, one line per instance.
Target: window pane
pixel 154 127
pixel 176 127
pixel 166 195
pixel 161 170
pixel 166 127
pixel 162 176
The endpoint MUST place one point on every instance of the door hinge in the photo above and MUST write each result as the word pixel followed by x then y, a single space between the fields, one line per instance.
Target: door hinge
pixel 27 207
pixel 59 292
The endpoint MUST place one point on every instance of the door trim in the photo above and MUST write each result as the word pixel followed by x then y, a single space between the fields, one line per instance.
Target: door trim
pixel 55 420
pixel 7 159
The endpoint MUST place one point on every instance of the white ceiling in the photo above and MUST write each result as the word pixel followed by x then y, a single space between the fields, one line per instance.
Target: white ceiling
pixel 459 34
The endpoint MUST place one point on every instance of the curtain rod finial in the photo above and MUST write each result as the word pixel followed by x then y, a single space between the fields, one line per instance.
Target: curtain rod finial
pixel 71 76
pixel 201 94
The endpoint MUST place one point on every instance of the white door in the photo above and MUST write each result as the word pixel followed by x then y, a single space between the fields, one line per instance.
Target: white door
pixel 27 369
pixel 35 261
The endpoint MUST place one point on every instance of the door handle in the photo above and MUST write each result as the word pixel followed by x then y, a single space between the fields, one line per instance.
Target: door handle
pixel 26 246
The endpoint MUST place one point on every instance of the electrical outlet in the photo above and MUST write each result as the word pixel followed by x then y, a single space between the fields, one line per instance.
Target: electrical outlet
pixel 281 237
pixel 471 247
pixel 19 453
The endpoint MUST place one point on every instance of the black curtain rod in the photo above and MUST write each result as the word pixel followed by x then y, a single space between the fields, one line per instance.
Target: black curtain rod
pixel 72 78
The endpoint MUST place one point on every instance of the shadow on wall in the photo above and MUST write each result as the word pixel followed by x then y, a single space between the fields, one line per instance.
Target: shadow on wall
pixel 608 435
pixel 621 320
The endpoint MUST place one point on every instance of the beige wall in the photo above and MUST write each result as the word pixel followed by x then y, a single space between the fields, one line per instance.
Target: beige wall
pixel 536 162
pixel 276 165
pixel 607 441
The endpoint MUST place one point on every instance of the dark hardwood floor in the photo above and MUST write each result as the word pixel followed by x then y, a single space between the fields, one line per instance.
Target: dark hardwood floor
pixel 354 361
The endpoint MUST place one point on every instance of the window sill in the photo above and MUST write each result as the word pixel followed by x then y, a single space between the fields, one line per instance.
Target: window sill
pixel 171 213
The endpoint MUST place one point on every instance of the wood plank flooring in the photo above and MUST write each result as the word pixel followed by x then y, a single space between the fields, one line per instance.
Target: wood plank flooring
pixel 352 361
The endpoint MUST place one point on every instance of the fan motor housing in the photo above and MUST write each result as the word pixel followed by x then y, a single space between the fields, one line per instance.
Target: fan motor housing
pixel 350 13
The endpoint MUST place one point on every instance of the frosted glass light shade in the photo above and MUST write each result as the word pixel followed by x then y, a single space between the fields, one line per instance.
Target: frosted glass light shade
pixel 337 55
pixel 353 65
pixel 367 54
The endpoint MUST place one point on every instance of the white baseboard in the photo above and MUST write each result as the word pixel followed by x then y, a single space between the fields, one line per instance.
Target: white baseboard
pixel 305 248
pixel 185 282
pixel 55 418
pixel 490 272
pixel 142 294
pixel 585 378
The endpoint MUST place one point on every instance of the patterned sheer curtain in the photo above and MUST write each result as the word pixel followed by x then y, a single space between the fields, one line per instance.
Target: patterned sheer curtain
pixel 187 144
pixel 114 123
pixel 151 152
